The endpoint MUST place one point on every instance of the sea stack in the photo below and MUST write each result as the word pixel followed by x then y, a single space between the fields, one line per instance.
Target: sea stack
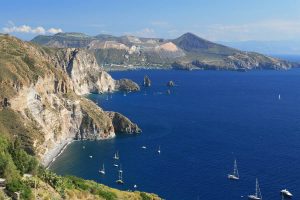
pixel 147 81
pixel 170 84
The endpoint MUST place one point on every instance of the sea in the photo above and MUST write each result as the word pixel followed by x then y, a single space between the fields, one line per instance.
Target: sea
pixel 209 119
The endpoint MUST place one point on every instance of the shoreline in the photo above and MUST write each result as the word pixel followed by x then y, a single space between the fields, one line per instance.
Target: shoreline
pixel 55 152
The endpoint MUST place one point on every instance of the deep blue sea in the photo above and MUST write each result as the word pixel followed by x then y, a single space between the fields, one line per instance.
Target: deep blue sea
pixel 209 119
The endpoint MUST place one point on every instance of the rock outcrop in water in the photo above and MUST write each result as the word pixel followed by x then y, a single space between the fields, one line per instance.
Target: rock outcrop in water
pixel 127 85
pixel 147 81
pixel 122 124
pixel 43 88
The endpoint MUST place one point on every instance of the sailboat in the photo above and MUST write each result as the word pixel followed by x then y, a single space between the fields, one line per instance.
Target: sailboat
pixel 102 171
pixel 116 156
pixel 257 195
pixel 279 97
pixel 120 180
pixel 235 175
pixel 286 193
pixel 158 150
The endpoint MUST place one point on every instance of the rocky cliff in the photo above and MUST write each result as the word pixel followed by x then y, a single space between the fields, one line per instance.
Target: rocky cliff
pixel 122 124
pixel 41 89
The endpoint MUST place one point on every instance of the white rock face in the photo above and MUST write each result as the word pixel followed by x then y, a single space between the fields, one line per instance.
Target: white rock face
pixel 58 118
pixel 50 107
pixel 87 76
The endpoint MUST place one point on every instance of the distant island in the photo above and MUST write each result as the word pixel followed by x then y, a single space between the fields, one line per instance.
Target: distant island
pixel 186 52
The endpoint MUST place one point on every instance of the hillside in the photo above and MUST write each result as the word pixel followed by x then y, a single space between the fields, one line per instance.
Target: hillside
pixel 186 52
pixel 43 108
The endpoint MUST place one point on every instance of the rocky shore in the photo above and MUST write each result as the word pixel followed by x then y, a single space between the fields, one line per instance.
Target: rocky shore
pixel 55 152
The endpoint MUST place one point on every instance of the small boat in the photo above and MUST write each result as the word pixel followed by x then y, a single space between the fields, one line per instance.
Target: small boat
pixel 91 156
pixel 116 165
pixel 158 150
pixel 120 180
pixel 279 97
pixel 102 171
pixel 116 156
pixel 124 94
pixel 257 195
pixel 286 193
pixel 135 186
pixel 144 147
pixel 235 174
pixel 83 147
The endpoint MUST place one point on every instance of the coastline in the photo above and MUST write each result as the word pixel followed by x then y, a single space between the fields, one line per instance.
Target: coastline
pixel 55 152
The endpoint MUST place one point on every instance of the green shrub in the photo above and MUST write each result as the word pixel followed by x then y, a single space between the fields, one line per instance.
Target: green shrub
pixel 145 196
pixel 17 185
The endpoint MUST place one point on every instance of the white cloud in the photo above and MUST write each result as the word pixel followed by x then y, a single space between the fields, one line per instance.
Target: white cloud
pixel 31 30
pixel 146 32
pixel 54 30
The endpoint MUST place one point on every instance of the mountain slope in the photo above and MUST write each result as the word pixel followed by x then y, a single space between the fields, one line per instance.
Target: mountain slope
pixel 42 109
pixel 41 97
pixel 194 44
pixel 186 52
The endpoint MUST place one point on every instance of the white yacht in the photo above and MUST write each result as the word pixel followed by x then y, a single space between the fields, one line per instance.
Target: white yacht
pixel 286 193
pixel 144 147
pixel 102 171
pixel 235 174
pixel 257 195
pixel 116 156
pixel 91 156
pixel 158 150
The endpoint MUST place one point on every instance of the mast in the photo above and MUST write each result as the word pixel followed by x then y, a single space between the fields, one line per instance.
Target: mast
pixel 120 176
pixel 257 190
pixel 235 171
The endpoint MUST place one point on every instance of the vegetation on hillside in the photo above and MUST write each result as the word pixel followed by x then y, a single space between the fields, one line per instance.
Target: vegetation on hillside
pixel 15 162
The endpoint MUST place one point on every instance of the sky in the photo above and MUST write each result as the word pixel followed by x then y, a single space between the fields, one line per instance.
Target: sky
pixel 216 20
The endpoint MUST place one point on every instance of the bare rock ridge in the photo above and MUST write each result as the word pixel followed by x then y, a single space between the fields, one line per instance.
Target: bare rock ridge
pixel 41 90
pixel 87 76
pixel 186 52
